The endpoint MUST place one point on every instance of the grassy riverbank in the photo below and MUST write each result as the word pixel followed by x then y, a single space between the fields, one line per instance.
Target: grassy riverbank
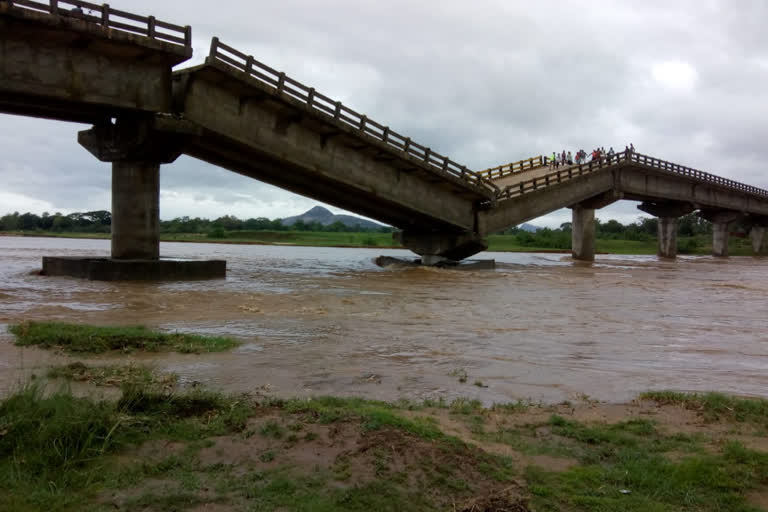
pixel 156 450
pixel 700 244
pixel 88 339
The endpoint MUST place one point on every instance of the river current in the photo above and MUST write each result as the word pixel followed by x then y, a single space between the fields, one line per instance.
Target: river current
pixel 329 321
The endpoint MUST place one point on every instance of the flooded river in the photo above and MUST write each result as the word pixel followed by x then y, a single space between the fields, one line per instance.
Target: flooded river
pixel 329 321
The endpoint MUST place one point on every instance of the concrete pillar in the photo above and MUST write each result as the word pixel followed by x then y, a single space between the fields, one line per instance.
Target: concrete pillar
pixel 135 210
pixel 721 221
pixel 667 212
pixel 757 234
pixel 720 239
pixel 583 234
pixel 136 147
pixel 668 237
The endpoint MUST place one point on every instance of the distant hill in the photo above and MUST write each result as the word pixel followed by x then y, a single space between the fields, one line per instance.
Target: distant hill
pixel 529 228
pixel 326 218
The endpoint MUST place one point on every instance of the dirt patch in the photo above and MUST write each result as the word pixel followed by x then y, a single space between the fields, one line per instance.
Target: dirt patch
pixel 510 499
pixel 272 441
pixel 213 507
pixel 758 499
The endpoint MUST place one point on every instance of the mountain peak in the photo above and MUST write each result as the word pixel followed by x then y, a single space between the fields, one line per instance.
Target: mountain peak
pixel 325 217
pixel 318 211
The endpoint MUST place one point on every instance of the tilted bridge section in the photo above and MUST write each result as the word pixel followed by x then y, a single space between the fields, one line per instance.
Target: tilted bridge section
pixel 76 61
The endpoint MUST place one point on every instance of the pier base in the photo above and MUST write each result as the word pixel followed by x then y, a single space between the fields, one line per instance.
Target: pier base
pixel 386 261
pixel 108 269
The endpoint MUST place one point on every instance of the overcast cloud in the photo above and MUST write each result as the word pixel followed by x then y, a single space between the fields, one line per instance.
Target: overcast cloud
pixel 486 82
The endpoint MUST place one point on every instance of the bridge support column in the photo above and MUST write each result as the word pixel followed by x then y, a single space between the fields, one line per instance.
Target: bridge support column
pixel 667 212
pixel 583 233
pixel 136 147
pixel 721 221
pixel 135 210
pixel 440 249
pixel 757 234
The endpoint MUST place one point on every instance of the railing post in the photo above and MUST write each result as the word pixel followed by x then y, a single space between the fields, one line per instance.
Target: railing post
pixel 385 135
pixel 363 120
pixel 249 64
pixel 337 112
pixel 426 154
pixel 445 163
pixel 54 6
pixel 281 82
pixel 214 47
pixel 105 15
pixel 187 34
pixel 311 96
pixel 407 145
pixel 151 27
pixel 463 171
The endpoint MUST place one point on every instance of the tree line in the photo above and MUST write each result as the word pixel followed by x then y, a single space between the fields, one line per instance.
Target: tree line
pixel 691 228
pixel 100 221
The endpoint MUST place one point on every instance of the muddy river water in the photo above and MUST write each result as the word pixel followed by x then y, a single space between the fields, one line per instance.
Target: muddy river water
pixel 329 321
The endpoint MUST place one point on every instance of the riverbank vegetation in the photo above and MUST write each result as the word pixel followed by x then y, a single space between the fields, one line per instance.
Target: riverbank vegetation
pixel 88 339
pixel 612 237
pixel 155 449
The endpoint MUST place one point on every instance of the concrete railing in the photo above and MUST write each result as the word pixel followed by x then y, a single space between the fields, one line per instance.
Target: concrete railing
pixel 335 111
pixel 494 173
pixel 624 158
pixel 108 17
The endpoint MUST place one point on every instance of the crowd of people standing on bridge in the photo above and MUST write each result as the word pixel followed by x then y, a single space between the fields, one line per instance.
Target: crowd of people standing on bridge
pixel 582 157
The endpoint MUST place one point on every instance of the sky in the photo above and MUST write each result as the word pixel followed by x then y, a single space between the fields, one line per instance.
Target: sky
pixel 485 82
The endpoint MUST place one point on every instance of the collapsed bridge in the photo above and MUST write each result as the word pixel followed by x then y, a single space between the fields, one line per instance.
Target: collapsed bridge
pixel 76 61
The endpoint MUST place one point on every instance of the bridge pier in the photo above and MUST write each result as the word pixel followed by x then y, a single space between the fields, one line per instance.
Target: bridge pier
pixel 721 221
pixel 757 235
pixel 583 233
pixel 136 148
pixel 667 212
pixel 441 248
pixel 135 210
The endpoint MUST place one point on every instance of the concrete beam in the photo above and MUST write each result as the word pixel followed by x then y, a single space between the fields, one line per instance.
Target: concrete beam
pixel 138 137
pixel 511 212
pixel 640 183
pixel 666 208
pixel 435 248
pixel 64 68
pixel 252 138
pixel 602 200
pixel 583 234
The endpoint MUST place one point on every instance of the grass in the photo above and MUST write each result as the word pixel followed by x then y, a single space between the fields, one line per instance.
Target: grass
pixel 54 447
pixel 716 406
pixel 626 467
pixel 112 375
pixel 59 452
pixel 87 339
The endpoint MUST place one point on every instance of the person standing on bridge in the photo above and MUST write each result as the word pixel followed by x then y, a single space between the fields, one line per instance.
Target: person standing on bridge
pixel 553 161
pixel 570 159
pixel 611 153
